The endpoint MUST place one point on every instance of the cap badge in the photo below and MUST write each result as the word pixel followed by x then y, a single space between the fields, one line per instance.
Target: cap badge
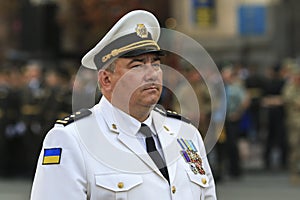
pixel 141 31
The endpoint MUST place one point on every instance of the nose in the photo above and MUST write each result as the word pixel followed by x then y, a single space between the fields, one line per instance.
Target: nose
pixel 151 72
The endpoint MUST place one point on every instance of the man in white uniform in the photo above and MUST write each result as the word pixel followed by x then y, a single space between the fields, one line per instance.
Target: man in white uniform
pixel 125 147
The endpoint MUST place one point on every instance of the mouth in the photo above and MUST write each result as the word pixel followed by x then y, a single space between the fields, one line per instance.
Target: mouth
pixel 149 87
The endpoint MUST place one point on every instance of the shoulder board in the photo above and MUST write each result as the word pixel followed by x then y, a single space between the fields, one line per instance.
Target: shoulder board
pixel 177 116
pixel 160 109
pixel 76 116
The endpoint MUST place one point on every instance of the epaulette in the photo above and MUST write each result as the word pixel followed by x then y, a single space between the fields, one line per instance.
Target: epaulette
pixel 160 109
pixel 76 116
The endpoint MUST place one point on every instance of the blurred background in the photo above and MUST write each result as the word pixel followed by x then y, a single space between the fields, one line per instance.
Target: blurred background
pixel 254 43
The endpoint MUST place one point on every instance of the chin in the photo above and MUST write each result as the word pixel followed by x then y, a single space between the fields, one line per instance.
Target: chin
pixel 153 102
pixel 150 102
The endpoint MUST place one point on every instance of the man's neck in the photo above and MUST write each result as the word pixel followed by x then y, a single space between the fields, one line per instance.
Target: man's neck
pixel 139 112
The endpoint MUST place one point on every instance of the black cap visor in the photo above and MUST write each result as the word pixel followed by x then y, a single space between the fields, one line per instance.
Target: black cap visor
pixel 138 52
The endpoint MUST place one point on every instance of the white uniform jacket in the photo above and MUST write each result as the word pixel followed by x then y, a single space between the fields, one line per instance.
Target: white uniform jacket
pixel 99 157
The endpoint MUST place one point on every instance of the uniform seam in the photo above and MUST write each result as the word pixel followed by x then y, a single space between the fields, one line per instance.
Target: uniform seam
pixel 74 135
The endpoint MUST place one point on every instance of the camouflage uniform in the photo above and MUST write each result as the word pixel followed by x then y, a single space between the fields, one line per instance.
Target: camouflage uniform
pixel 292 101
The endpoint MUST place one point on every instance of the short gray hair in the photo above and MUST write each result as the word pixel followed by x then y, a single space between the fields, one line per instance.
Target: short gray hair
pixel 110 67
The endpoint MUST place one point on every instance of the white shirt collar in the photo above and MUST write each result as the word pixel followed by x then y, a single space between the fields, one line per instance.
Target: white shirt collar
pixel 149 123
pixel 119 121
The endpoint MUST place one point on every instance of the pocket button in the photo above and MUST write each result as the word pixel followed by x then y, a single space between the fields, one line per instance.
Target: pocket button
pixel 120 185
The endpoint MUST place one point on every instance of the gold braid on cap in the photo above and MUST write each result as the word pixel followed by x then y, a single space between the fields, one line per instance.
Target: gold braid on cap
pixel 129 47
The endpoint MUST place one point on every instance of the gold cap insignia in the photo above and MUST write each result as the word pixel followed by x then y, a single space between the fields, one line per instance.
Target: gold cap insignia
pixel 141 31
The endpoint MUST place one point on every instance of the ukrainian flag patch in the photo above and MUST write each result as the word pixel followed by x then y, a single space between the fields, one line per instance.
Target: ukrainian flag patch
pixel 52 156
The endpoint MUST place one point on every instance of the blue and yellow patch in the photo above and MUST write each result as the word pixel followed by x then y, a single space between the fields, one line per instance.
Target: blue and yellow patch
pixel 52 156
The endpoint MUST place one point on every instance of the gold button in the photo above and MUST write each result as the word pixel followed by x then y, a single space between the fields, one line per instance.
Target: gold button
pixel 173 189
pixel 204 181
pixel 120 185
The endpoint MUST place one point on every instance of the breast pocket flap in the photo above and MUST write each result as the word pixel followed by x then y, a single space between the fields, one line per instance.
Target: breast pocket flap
pixel 199 179
pixel 118 182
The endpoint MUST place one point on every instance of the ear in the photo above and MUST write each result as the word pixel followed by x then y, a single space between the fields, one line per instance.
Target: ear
pixel 104 79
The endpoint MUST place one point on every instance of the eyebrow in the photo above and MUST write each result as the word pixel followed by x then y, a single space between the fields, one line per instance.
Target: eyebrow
pixel 156 58
pixel 136 60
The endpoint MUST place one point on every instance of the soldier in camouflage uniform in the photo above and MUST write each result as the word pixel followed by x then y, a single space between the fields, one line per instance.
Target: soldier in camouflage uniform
pixel 292 101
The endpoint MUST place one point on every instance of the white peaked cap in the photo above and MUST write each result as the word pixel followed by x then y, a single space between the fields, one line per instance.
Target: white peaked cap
pixel 134 34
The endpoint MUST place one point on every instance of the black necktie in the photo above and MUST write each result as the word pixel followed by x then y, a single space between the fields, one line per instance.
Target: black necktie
pixel 152 151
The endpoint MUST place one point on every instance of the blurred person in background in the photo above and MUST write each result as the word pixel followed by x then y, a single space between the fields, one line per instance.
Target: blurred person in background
pixel 171 80
pixel 254 86
pixel 189 109
pixel 291 96
pixel 237 103
pixel 83 87
pixel 12 130
pixel 56 91
pixel 5 98
pixel 32 97
pixel 276 142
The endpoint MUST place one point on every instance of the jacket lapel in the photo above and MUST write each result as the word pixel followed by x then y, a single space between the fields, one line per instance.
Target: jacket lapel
pixel 168 142
pixel 135 146
pixel 118 125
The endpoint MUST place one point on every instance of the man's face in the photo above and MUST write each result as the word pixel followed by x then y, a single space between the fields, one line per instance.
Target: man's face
pixel 136 81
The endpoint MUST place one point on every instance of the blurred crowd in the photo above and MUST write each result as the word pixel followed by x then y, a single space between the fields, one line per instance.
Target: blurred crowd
pixel 33 95
pixel 263 106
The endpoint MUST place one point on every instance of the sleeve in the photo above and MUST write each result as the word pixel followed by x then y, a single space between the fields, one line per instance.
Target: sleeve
pixel 60 172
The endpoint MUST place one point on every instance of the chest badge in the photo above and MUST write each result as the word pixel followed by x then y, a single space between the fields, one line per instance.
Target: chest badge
pixel 191 156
